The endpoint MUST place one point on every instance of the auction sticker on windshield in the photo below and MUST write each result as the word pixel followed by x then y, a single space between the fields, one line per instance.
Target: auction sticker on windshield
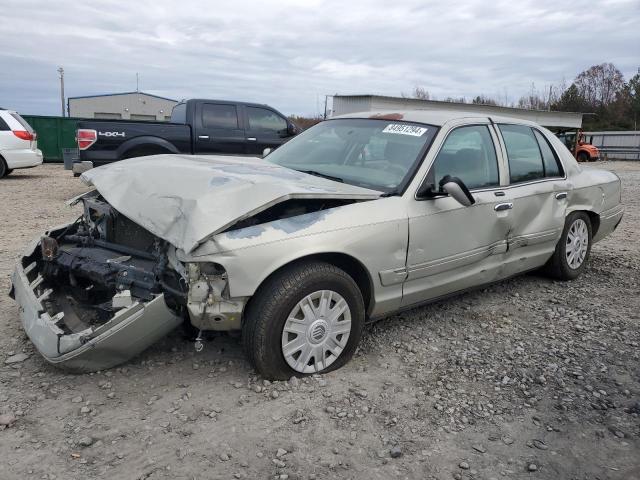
pixel 401 129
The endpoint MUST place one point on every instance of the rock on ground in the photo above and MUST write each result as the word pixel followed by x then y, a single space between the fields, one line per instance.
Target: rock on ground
pixel 526 372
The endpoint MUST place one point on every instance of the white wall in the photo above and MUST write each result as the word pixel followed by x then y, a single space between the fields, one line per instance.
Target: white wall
pixel 125 105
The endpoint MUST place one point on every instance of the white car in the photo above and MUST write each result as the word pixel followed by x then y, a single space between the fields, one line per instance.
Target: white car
pixel 18 143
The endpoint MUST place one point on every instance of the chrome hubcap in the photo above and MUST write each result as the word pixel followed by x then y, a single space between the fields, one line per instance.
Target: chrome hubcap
pixel 577 243
pixel 316 331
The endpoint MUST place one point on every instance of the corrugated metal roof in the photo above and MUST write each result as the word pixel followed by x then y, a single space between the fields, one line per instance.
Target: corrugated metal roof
pixel 542 117
pixel 123 93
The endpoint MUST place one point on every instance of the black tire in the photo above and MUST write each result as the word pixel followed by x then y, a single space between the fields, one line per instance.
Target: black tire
pixel 271 305
pixel 558 265
pixel 4 170
pixel 583 157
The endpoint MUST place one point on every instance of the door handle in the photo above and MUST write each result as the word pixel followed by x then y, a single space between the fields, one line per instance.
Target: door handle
pixel 203 137
pixel 251 139
pixel 503 206
pixel 561 195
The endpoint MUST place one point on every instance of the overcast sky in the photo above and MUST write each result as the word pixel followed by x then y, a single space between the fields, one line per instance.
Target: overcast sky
pixel 291 53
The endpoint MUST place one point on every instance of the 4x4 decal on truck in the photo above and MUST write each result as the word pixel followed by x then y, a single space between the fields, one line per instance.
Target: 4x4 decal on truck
pixel 112 134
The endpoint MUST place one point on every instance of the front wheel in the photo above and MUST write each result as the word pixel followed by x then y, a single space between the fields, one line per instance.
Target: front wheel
pixel 572 251
pixel 306 319
pixel 4 170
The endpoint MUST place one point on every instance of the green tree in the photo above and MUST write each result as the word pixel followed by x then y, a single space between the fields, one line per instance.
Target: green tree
pixel 571 101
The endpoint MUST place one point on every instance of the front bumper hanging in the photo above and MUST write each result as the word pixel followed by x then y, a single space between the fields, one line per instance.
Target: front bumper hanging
pixel 130 331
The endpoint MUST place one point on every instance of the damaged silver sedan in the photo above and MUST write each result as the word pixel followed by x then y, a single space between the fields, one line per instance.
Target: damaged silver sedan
pixel 355 219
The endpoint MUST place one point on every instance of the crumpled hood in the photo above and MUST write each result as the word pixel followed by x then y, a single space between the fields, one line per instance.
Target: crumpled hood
pixel 186 199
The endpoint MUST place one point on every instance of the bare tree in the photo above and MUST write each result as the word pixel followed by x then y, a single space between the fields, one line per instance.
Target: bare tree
pixel 484 100
pixel 634 98
pixel 420 93
pixel 600 85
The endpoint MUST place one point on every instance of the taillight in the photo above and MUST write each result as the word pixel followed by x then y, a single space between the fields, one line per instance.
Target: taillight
pixel 24 135
pixel 86 138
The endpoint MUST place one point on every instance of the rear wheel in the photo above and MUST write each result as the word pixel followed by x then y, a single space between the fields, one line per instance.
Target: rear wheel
pixel 572 251
pixel 306 319
pixel 583 157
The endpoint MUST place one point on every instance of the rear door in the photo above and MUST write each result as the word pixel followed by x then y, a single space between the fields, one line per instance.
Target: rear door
pixel 219 129
pixel 265 129
pixel 538 191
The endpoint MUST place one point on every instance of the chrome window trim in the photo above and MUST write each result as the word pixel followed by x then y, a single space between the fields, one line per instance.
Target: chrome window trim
pixel 446 134
pixel 528 182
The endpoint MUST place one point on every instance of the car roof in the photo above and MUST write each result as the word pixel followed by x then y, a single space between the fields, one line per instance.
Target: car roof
pixel 224 102
pixel 437 117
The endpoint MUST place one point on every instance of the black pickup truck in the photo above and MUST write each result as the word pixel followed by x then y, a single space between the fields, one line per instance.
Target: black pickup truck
pixel 196 126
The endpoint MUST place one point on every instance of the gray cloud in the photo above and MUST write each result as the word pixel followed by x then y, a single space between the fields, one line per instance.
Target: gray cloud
pixel 290 53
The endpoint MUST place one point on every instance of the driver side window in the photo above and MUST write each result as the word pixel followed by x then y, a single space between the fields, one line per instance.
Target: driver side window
pixel 469 154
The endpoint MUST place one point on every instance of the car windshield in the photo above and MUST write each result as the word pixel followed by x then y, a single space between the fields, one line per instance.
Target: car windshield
pixel 377 154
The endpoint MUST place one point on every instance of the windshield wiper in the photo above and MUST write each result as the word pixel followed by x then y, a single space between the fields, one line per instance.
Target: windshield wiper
pixel 323 175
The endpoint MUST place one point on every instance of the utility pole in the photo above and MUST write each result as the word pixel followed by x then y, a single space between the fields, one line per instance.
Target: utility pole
pixel 137 82
pixel 61 72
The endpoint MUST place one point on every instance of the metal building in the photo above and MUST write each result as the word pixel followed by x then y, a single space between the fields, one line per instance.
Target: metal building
pixel 616 145
pixel 125 106
pixel 343 104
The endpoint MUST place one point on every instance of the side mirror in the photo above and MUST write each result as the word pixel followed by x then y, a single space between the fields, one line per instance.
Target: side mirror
pixel 292 129
pixel 457 190
pixel 266 152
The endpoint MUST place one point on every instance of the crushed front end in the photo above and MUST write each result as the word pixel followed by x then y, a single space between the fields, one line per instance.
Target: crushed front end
pixel 96 292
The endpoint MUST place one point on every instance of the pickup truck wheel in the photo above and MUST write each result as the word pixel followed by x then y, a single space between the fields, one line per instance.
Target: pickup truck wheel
pixel 572 251
pixel 306 319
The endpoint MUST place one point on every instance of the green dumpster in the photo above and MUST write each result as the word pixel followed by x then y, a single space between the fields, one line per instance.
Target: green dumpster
pixel 54 134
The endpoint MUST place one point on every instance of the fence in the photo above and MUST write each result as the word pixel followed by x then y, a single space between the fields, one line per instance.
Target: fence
pixel 616 145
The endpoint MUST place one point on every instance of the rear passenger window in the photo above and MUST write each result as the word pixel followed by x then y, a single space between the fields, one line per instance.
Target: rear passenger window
pixel 529 153
pixel 219 116
pixel 549 158
pixel 469 154
pixel 22 122
pixel 525 159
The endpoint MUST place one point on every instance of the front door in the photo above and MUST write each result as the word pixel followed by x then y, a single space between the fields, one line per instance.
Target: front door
pixel 265 129
pixel 453 247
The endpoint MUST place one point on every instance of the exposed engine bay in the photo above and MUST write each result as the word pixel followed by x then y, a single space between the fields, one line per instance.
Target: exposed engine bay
pixel 105 263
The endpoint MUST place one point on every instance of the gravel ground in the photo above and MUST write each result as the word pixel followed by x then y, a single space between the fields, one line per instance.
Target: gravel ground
pixel 529 378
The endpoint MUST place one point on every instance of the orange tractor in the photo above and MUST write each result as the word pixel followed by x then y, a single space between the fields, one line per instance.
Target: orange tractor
pixel 582 150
